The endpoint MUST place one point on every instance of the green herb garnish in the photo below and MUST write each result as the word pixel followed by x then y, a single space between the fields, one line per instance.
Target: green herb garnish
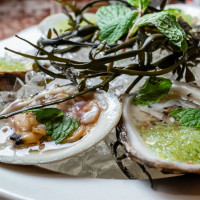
pixel 187 116
pixel 152 91
pixel 58 126
pixel 114 21
pixel 141 5
pixel 167 25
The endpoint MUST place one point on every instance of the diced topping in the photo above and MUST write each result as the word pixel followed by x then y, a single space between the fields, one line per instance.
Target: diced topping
pixel 67 122
pixel 27 129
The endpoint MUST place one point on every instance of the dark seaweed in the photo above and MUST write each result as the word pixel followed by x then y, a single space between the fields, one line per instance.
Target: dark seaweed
pixel 139 49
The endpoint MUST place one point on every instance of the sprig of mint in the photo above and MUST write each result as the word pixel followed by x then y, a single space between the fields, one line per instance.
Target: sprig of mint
pixel 167 25
pixel 187 116
pixel 141 5
pixel 58 126
pixel 152 91
pixel 114 21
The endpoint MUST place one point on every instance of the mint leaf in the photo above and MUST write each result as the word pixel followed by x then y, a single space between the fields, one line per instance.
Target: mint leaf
pixel 58 126
pixel 167 25
pixel 187 116
pixel 141 5
pixel 152 91
pixel 44 115
pixel 114 21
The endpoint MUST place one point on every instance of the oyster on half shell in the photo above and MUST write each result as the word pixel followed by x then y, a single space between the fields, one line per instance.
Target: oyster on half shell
pixel 154 138
pixel 22 136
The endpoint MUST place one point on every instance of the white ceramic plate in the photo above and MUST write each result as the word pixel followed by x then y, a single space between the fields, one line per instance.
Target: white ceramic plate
pixel 19 182
pixel 30 183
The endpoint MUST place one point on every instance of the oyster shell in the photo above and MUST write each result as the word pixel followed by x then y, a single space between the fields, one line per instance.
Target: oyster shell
pixel 10 73
pixel 180 95
pixel 107 120
pixel 59 20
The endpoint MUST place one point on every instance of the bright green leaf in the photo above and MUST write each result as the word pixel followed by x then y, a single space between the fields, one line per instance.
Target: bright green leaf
pixel 167 25
pixel 187 116
pixel 152 91
pixel 44 115
pixel 114 21
pixel 141 5
pixel 58 126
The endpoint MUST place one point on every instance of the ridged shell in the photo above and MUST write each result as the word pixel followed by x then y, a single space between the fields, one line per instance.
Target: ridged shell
pixel 134 146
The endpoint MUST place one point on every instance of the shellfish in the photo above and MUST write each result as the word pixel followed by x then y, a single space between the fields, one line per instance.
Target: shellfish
pixel 152 137
pixel 23 140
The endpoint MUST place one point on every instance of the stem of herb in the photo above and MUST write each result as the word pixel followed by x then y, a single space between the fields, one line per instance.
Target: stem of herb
pixel 132 28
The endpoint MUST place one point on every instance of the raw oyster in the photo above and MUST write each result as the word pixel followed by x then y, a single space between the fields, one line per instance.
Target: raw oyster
pixel 99 113
pixel 153 138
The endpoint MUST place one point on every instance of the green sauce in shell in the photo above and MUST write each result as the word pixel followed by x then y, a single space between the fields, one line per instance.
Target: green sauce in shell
pixel 173 142
pixel 11 65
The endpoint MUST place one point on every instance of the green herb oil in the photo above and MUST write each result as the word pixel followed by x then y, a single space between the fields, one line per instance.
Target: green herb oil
pixel 173 142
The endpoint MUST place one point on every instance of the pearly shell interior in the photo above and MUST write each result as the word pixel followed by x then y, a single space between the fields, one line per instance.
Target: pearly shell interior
pixel 108 119
pixel 134 145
